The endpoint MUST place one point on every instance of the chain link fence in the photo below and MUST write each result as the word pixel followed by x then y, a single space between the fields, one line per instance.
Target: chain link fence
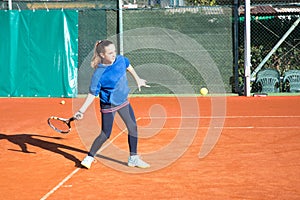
pixel 187 34
pixel 179 46
pixel 274 35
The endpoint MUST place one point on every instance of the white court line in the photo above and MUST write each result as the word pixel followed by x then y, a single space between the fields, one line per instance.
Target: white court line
pixel 220 127
pixel 77 169
pixel 111 141
pixel 262 127
pixel 220 117
pixel 217 117
pixel 60 184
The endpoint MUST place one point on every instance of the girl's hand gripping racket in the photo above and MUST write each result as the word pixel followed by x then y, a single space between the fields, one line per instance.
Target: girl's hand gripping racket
pixel 61 125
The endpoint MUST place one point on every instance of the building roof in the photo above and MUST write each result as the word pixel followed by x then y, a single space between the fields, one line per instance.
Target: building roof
pixel 290 9
pixel 271 10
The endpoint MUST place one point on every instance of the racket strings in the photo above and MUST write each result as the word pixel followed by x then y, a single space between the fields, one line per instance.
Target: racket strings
pixel 59 125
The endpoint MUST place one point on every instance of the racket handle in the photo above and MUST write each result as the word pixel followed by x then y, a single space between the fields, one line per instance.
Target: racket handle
pixel 72 119
pixel 78 115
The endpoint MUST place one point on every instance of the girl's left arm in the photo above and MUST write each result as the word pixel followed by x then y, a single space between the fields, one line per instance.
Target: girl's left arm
pixel 140 82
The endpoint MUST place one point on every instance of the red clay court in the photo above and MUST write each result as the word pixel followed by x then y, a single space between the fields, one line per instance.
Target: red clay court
pixel 257 155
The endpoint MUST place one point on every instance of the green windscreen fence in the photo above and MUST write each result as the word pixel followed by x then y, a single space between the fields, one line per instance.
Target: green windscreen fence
pixel 38 53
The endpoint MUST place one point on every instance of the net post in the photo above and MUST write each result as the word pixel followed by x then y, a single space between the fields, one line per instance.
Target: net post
pixel 120 27
pixel 247 55
pixel 10 4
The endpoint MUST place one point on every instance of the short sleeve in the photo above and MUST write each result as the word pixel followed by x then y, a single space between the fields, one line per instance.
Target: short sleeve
pixel 95 85
pixel 127 63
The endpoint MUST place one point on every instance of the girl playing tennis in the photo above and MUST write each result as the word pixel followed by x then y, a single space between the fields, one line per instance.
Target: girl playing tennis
pixel 109 81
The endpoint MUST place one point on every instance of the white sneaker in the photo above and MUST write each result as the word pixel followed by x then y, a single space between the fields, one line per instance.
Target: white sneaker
pixel 87 162
pixel 136 161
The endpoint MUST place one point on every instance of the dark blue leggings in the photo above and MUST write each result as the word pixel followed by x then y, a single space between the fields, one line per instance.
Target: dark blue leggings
pixel 128 117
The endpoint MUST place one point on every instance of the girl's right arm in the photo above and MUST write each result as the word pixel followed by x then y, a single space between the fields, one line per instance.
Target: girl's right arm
pixel 94 91
pixel 88 101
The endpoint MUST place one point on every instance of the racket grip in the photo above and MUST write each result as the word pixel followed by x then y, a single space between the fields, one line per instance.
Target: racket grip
pixel 78 115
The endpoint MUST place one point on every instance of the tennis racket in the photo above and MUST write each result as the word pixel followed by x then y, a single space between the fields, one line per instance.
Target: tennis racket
pixel 60 125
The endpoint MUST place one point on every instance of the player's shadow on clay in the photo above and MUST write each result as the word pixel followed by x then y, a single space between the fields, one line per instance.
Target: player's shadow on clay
pixel 111 159
pixel 23 140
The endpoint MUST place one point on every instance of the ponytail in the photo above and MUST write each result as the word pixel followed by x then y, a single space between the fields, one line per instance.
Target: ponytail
pixel 99 48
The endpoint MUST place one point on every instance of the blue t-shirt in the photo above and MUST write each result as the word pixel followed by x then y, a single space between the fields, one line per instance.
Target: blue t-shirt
pixel 110 82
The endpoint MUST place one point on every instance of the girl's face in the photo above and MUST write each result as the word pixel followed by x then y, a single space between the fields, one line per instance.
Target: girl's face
pixel 109 55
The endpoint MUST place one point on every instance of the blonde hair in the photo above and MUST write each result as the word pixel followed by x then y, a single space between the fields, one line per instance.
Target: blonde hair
pixel 99 48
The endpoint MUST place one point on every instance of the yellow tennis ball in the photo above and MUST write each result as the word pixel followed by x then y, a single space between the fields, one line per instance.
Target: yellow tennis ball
pixel 203 91
pixel 62 102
